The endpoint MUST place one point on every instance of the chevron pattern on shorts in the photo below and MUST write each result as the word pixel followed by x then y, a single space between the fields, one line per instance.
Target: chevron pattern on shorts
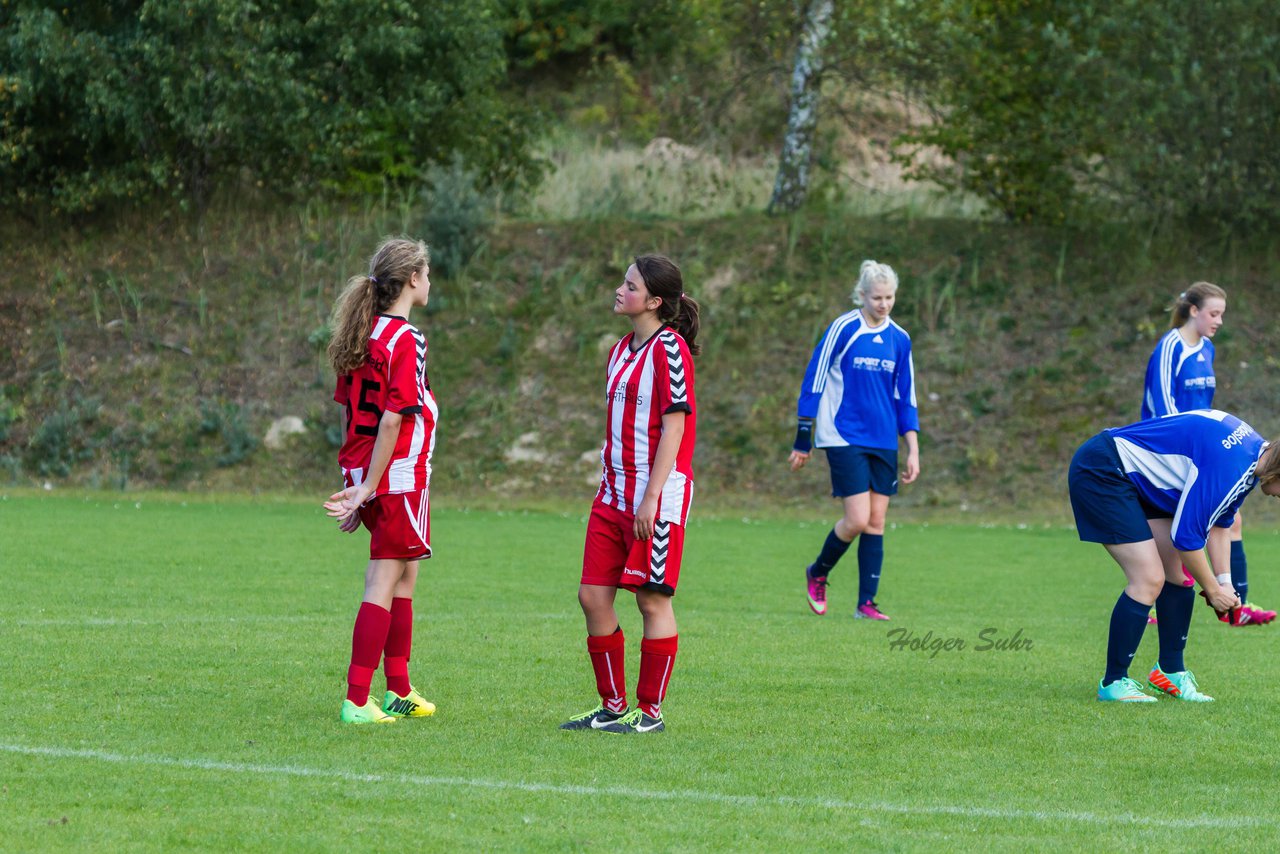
pixel 658 552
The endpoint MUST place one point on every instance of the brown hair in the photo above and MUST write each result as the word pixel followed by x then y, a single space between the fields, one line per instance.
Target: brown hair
pixel 1193 296
pixel 368 295
pixel 1269 472
pixel 678 310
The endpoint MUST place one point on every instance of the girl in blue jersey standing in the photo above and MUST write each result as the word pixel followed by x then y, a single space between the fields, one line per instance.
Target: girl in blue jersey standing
pixel 1159 495
pixel 1180 378
pixel 858 397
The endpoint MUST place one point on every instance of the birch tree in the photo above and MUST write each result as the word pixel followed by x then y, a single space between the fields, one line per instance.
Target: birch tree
pixel 792 183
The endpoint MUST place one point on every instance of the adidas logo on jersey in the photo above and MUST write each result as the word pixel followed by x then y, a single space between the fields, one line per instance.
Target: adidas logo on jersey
pixel 1200 358
pixel 878 340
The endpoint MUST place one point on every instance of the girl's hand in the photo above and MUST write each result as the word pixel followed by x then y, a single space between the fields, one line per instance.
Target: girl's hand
pixel 344 507
pixel 797 460
pixel 644 518
pixel 913 468
pixel 1222 599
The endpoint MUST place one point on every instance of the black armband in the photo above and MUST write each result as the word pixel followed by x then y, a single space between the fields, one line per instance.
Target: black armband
pixel 804 436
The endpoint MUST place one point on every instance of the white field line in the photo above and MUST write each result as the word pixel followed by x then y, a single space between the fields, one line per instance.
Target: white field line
pixel 684 795
pixel 109 622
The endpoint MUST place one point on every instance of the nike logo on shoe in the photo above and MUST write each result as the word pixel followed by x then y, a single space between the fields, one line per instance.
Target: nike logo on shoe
pixel 402 706
pixel 596 723
pixel 640 727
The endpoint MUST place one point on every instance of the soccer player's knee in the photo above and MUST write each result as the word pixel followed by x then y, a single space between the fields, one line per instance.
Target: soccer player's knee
pixel 1147 589
pixel 590 599
pixel 854 524
pixel 653 604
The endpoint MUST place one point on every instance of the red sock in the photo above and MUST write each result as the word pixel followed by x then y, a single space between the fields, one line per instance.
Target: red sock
pixel 367 640
pixel 657 656
pixel 608 659
pixel 395 662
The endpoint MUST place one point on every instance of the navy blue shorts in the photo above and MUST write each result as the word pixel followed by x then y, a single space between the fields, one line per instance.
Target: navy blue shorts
pixel 1105 502
pixel 855 470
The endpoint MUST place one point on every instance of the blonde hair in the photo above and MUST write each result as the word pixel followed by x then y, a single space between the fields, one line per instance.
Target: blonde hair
pixel 872 272
pixel 368 295
pixel 1193 296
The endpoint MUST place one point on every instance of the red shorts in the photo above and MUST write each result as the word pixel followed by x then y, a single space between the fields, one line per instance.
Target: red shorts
pixel 613 557
pixel 399 525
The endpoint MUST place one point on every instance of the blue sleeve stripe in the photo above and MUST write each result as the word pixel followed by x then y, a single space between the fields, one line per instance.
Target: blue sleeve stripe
pixel 911 366
pixel 828 345
pixel 1176 530
pixel 1167 348
pixel 1242 486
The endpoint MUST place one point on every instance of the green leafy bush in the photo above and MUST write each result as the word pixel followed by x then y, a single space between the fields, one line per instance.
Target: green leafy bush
pixel 458 215
pixel 102 102
pixel 64 439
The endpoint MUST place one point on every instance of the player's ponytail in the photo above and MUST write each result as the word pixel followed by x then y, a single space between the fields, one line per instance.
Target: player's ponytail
pixel 662 278
pixel 1193 296
pixel 369 295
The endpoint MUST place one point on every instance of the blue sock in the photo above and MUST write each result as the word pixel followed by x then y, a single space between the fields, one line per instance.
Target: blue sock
pixel 1239 570
pixel 1173 614
pixel 870 559
pixel 1128 622
pixel 832 550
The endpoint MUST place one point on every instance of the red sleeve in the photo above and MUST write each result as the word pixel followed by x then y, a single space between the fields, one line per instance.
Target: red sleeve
pixel 404 393
pixel 342 392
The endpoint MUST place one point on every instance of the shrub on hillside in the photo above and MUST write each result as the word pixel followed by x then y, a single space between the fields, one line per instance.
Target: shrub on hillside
pixel 458 216
pixel 102 103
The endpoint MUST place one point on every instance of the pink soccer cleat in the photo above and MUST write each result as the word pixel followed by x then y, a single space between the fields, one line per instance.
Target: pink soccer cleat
pixel 817 592
pixel 868 611
pixel 1257 615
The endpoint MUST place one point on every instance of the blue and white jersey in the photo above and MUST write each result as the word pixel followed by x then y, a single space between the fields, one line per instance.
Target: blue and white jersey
pixel 860 386
pixel 1197 465
pixel 1179 378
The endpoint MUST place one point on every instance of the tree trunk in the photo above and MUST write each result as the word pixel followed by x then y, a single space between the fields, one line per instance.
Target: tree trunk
pixel 792 184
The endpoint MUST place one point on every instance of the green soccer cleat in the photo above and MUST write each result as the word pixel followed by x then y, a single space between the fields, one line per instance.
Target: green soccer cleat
pixel 413 705
pixel 1181 685
pixel 635 721
pixel 597 718
pixel 1123 691
pixel 369 713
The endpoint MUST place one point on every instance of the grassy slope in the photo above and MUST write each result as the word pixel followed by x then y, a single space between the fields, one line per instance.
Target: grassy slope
pixel 198 675
pixel 1026 343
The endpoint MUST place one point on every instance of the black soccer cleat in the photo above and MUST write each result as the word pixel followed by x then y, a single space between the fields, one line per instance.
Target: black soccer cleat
pixel 597 718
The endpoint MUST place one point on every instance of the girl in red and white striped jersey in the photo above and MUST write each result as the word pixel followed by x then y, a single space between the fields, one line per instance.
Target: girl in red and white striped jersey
pixel 635 534
pixel 388 417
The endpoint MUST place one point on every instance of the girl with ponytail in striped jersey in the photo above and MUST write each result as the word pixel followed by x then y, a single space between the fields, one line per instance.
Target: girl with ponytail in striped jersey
pixel 1180 378
pixel 858 397
pixel 635 533
pixel 388 417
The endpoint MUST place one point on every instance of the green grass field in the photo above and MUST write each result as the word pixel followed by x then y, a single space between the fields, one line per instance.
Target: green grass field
pixel 172 670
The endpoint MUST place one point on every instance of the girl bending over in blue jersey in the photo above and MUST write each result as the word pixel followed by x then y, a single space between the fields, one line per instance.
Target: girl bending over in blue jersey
pixel 1158 495
pixel 858 397
pixel 1180 378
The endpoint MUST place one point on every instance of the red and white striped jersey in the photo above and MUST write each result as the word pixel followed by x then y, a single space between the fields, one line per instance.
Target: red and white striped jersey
pixel 394 379
pixel 643 386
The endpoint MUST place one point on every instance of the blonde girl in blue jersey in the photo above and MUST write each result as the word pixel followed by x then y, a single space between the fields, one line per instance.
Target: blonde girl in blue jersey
pixel 1180 378
pixel 857 399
